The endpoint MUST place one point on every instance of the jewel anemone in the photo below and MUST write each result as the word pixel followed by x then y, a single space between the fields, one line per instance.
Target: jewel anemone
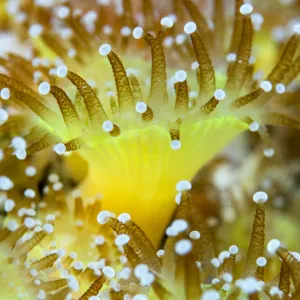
pixel 141 139
pixel 152 132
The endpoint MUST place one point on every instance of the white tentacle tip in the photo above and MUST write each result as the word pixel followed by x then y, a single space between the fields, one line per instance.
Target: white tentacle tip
pixel 190 27
pixel 104 49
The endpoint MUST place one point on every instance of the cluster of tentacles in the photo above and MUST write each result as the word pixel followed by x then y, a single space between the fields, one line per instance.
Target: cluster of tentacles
pixel 77 129
pixel 49 252
pixel 53 249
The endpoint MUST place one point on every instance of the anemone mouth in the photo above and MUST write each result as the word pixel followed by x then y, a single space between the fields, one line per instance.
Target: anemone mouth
pixel 146 168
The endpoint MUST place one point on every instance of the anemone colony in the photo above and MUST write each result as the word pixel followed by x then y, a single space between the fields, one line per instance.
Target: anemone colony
pixel 138 147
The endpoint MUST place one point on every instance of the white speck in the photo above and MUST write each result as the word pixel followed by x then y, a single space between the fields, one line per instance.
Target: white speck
pixel 261 261
pixel 62 12
pixel 178 198
pixel 183 185
pixel 72 52
pixel 60 149
pixel 233 249
pixel 140 297
pixel 296 255
pixel 160 253
pixel 35 30
pixel 190 27
pixel 183 247
pixel 33 272
pixel 9 205
pixel 141 107
pixel 73 283
pixel 210 295
pixel 195 235
pixel 215 281
pixel 223 255
pixel 53 177
pixel 227 277
pixel 125 31
pixel 50 218
pixel 66 33
pixel 141 270
pixel 260 197
pixel 195 65
pixel 31 212
pixel 252 60
pixel 138 32
pixel 167 22
pixel 78 265
pixel 173 80
pixel 3 116
pixel 29 222
pixel 258 75
pixel 12 225
pixel 296 28
pixel 246 9
pixel 109 272
pixel 18 143
pixel 215 262
pixel 124 218
pixel 99 240
pixel 125 273
pixel 41 295
pixel 21 154
pixel 180 76
pixel 179 225
pixel 273 245
pixel 44 88
pixel 29 193
pixel 254 126
pixel 257 21
pixel 249 285
pixel 280 88
pixel 5 93
pixel 73 255
pixel 122 239
pixel 175 145
pixel 147 279
pixel 269 152
pixel 198 264
pixel 37 282
pixel 62 71
pixel 266 86
pixel 30 171
pixel 180 38
pixel 168 41
pixel 274 290
pixel 193 94
pixel 48 228
pixel 107 126
pixel 231 57
pixel 60 252
pixel 219 94
pixel 107 30
pixel 57 186
pixel 103 216
pixel 105 49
